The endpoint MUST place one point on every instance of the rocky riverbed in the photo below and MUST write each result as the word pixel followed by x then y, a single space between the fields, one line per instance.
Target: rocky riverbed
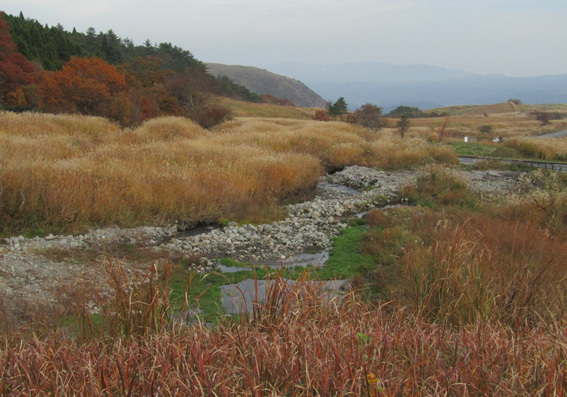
pixel 35 272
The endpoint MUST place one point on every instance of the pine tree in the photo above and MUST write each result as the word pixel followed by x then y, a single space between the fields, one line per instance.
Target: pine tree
pixel 339 108
pixel 90 41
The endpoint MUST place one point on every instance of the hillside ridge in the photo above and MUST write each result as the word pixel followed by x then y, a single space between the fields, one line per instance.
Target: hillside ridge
pixel 265 82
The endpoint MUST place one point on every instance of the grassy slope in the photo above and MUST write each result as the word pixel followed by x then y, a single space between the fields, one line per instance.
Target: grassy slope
pixel 250 109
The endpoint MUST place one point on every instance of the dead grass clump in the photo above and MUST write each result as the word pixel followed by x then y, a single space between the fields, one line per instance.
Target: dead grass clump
pixel 474 267
pixel 378 218
pixel 543 201
pixel 38 124
pixel 142 176
pixel 440 186
pixel 168 129
pixel 334 144
pixel 538 148
pixel 397 153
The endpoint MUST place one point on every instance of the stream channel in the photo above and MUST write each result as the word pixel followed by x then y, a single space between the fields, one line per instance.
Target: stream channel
pixel 242 297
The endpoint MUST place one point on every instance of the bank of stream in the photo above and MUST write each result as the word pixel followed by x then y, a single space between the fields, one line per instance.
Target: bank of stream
pixel 40 270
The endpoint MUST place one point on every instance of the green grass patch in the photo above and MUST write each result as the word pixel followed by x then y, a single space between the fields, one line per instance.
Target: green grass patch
pixel 203 291
pixel 505 152
pixel 485 150
pixel 346 257
pixel 473 149
pixel 508 151
pixel 232 263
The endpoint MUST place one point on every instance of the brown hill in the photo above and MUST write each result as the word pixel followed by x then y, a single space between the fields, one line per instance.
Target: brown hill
pixel 264 82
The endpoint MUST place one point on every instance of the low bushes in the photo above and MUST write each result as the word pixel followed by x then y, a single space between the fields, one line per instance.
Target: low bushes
pixel 440 186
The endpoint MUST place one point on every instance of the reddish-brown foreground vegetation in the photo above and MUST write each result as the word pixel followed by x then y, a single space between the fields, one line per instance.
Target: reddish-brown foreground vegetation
pixel 345 347
pixel 473 305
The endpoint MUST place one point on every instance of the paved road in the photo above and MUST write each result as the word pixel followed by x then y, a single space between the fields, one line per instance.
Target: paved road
pixel 559 134
pixel 560 167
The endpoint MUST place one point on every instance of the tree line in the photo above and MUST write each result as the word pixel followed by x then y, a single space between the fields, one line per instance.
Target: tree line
pixel 50 69
pixel 368 115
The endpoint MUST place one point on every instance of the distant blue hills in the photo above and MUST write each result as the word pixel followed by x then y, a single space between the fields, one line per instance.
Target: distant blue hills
pixel 423 86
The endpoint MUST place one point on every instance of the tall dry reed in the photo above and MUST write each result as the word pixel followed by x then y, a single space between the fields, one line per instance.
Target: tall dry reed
pixel 69 172
pixel 341 347
pixel 465 267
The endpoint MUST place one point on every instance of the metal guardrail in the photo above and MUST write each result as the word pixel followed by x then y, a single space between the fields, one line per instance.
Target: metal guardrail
pixel 559 167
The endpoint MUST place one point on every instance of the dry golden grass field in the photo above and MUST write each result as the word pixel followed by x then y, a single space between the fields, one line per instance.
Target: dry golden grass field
pixel 70 172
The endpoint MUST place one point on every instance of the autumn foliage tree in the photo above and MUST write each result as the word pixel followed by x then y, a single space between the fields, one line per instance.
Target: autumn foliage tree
pixel 321 115
pixel 88 86
pixel 15 70
pixel 369 116
pixel 104 75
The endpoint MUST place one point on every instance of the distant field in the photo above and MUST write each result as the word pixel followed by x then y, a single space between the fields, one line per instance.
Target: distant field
pixel 498 108
pixel 505 125
pixel 463 120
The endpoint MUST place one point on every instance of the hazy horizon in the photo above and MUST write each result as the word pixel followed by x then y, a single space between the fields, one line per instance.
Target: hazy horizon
pixel 514 38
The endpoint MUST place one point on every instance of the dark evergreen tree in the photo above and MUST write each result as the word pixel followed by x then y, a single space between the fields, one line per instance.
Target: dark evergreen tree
pixel 113 49
pixel 339 108
pixel 90 41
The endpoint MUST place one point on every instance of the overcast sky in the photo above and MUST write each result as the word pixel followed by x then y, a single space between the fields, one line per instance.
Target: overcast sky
pixel 511 37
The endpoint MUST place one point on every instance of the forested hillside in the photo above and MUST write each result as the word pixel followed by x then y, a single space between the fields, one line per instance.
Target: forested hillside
pixel 50 69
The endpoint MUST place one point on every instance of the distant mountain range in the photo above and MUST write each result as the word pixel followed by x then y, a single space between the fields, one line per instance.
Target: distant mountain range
pixel 266 83
pixel 422 86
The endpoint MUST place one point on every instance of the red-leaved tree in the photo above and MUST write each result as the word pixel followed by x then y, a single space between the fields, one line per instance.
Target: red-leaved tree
pixel 84 85
pixel 15 69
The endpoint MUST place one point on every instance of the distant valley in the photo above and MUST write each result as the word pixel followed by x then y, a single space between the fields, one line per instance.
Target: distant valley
pixel 423 86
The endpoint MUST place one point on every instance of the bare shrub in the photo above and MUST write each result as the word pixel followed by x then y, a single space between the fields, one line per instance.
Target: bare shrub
pixel 210 115
pixel 321 115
